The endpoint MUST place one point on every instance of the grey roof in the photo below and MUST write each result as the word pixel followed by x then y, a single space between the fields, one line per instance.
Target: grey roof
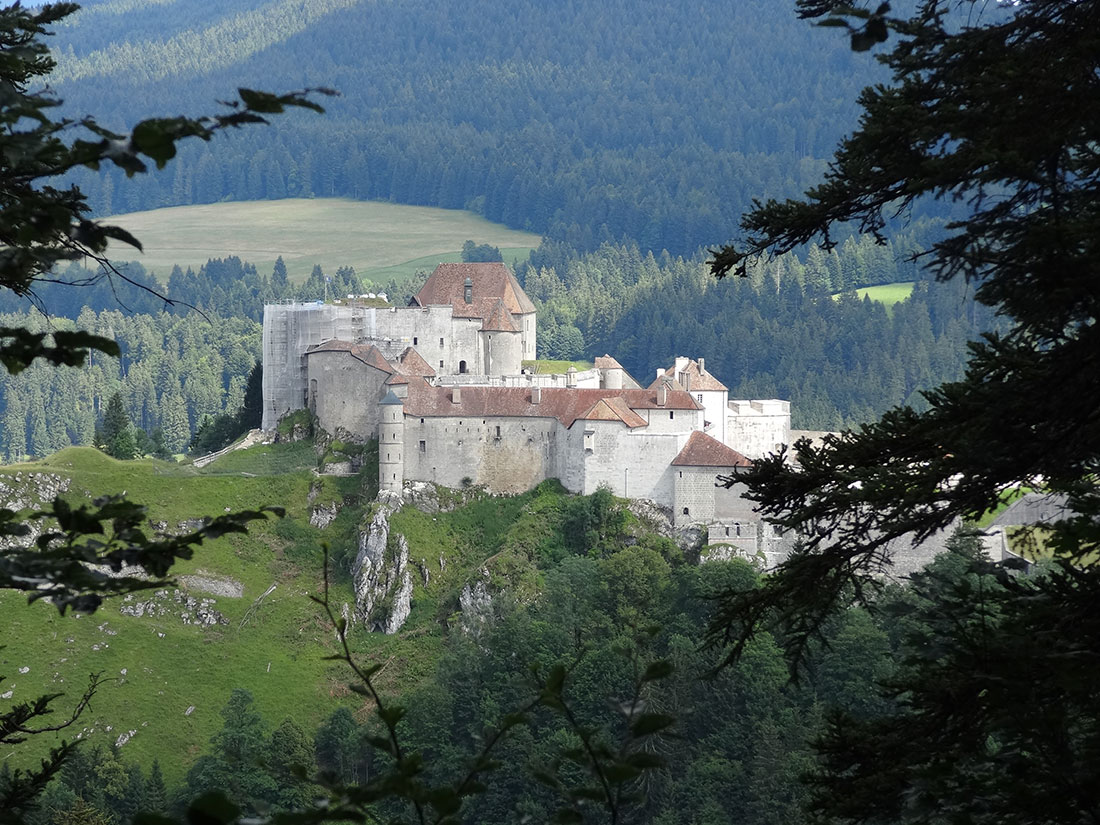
pixel 391 399
pixel 1034 508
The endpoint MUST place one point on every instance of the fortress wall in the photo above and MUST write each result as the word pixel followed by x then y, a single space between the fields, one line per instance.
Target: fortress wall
pixel 527 327
pixel 730 505
pixel 756 428
pixel 681 421
pixel 632 464
pixel 288 330
pixel 693 490
pixel 423 328
pixel 457 448
pixel 503 353
pixel 343 392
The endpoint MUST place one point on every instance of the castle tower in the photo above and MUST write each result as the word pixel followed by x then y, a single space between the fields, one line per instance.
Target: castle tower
pixel 391 444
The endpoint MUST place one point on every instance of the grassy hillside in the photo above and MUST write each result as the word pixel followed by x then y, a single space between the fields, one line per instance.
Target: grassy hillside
pixel 158 667
pixel 373 237
pixel 166 680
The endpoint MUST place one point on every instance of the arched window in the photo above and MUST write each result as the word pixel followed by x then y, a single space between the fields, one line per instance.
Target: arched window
pixel 461 367
pixel 686 511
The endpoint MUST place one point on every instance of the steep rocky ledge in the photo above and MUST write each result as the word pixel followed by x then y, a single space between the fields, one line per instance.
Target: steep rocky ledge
pixel 383 583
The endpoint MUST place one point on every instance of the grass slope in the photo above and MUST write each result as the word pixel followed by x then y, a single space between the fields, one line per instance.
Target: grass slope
pixel 374 237
pixel 157 668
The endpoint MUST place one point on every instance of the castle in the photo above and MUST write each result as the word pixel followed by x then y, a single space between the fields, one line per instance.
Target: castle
pixel 441 384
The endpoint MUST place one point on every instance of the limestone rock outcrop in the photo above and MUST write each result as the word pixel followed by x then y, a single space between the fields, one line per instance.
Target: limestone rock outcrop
pixel 383 582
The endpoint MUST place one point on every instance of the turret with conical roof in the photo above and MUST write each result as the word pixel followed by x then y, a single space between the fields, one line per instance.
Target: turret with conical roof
pixel 391 443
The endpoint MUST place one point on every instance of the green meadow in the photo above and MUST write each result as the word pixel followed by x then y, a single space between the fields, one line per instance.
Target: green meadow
pixel 157 667
pixel 380 240
pixel 888 294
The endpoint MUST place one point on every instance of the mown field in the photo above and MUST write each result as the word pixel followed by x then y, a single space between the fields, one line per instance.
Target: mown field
pixel 379 239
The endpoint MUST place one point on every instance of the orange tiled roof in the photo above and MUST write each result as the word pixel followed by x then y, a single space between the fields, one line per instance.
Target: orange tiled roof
pixel 698 381
pixel 369 355
pixel 606 362
pixel 614 409
pixel 566 405
pixel 703 451
pixel 490 280
pixel 499 320
pixel 411 362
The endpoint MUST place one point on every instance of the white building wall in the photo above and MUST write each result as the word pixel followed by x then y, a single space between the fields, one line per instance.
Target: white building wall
pixel 756 428
pixel 672 421
pixel 715 410
pixel 634 464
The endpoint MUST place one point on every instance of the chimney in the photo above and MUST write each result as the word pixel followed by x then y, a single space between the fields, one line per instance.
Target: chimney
pixel 660 372
pixel 536 394
pixel 662 393
pixel 702 366
pixel 456 395
pixel 468 291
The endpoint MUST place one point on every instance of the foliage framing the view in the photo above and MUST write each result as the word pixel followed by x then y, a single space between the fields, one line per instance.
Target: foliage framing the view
pixel 992 106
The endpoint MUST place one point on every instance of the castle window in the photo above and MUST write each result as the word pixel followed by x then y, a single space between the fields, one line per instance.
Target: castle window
pixel 461 367
pixel 441 365
pixel 415 341
pixel 423 446
pixel 737 525
pixel 671 414
pixel 421 420
pixel 440 342
pixel 498 431
pixel 700 397
pixel 681 474
pixel 686 513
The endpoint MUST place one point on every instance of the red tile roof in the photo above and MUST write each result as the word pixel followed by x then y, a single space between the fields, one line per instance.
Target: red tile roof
pixel 410 362
pixel 697 381
pixel 368 355
pixel 566 405
pixel 703 451
pixel 614 409
pixel 499 320
pixel 606 362
pixel 490 280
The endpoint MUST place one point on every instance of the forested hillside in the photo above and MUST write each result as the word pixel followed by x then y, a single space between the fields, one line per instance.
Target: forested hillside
pixel 629 119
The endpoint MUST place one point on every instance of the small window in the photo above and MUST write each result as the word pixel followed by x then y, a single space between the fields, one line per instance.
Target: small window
pixel 415 341
pixel 423 446
pixel 387 456
pixel 681 474
pixel 421 420
pixel 737 526
pixel 440 342
pixel 671 414
pixel 441 365
pixel 498 431
pixel 461 367
pixel 700 397
pixel 686 513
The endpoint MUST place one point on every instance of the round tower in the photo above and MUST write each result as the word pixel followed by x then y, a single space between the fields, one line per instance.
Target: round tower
pixel 391 444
